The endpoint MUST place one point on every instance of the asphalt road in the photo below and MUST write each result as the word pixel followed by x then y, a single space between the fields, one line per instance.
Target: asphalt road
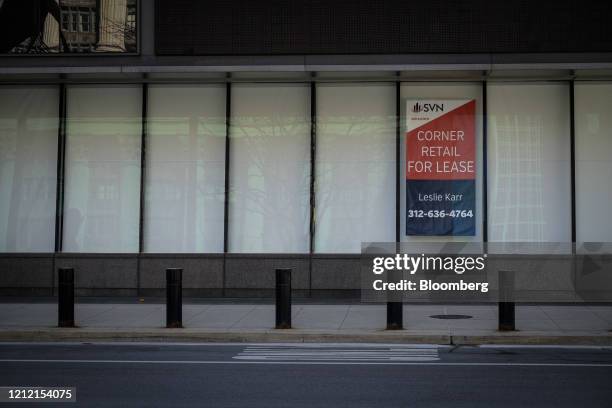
pixel 312 375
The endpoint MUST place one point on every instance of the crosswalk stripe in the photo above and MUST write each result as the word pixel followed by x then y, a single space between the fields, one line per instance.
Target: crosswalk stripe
pixel 335 353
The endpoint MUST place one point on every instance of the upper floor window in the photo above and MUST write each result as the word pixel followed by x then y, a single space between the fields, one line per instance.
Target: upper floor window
pixel 70 26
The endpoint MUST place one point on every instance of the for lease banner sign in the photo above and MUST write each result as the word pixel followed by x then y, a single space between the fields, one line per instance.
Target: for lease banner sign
pixel 440 167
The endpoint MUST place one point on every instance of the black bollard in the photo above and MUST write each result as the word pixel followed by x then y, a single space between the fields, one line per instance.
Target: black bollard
pixel 395 311
pixel 283 298
pixel 174 298
pixel 65 297
pixel 506 301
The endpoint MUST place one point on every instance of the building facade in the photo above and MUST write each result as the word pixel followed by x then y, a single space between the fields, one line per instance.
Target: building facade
pixel 231 138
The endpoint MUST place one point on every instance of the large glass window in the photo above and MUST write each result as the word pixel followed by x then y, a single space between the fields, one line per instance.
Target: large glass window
pixel 28 168
pixel 529 162
pixel 355 166
pixel 442 93
pixel 102 180
pixel 185 173
pixel 69 26
pixel 593 113
pixel 269 168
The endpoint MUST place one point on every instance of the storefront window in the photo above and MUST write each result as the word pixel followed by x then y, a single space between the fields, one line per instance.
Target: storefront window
pixel 269 168
pixel 529 169
pixel 529 165
pixel 102 180
pixel 355 166
pixel 185 168
pixel 28 167
pixel 593 113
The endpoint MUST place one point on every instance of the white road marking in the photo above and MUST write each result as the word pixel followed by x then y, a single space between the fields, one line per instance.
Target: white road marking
pixel 196 344
pixel 206 344
pixel 543 346
pixel 195 362
pixel 338 353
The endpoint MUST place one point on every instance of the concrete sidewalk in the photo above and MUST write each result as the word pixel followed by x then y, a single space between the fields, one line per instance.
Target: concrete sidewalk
pixel 362 322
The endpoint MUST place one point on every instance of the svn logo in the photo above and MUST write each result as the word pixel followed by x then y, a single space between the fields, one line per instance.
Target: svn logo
pixel 428 107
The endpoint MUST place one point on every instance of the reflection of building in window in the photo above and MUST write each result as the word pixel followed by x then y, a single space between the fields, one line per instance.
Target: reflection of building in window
pixel 131 18
pixel 84 26
pixel 519 210
pixel 78 19
pixel 85 20
pixel 78 25
pixel 82 47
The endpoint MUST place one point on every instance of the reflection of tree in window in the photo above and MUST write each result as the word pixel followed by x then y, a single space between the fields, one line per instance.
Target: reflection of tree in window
pixel 182 189
pixel 519 147
pixel 341 203
pixel 268 215
pixel 102 168
pixel 28 131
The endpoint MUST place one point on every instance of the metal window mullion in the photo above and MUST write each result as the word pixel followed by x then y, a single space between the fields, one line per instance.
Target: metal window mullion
pixel 573 157
pixel 398 104
pixel 61 155
pixel 485 183
pixel 312 202
pixel 313 156
pixel 59 187
pixel 143 161
pixel 228 112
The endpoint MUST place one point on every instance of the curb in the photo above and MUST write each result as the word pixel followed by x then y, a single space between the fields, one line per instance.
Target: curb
pixel 299 336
